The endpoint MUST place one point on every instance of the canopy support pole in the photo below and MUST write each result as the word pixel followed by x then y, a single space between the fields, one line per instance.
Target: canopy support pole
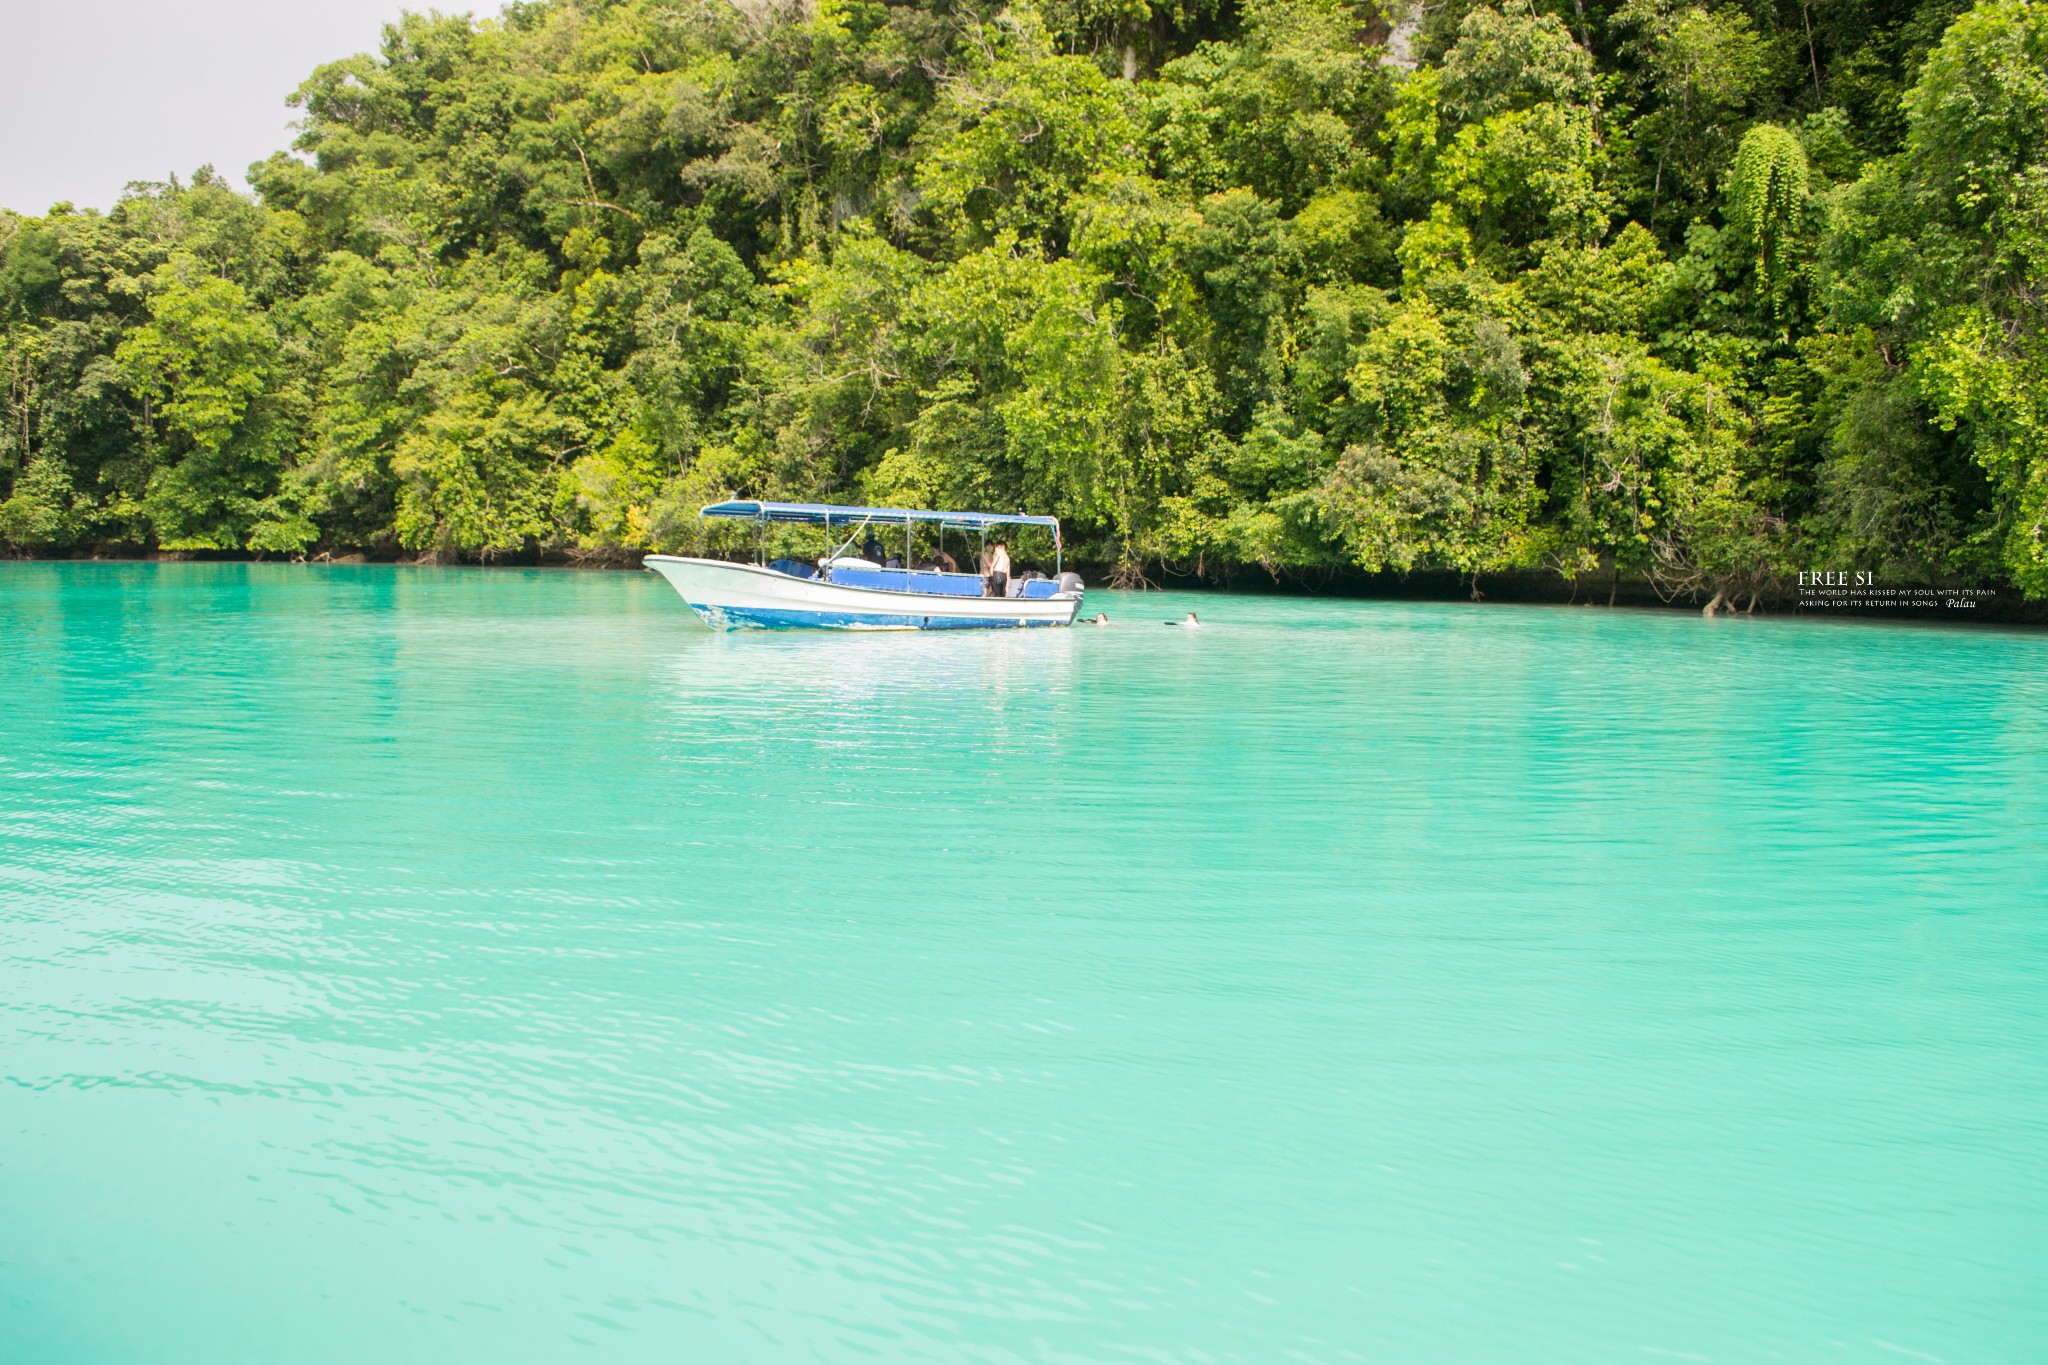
pixel 849 540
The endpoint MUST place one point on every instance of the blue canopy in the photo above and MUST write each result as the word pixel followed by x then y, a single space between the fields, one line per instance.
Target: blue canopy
pixel 818 513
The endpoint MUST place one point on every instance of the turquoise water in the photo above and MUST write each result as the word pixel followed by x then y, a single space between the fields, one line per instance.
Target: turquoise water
pixel 445 966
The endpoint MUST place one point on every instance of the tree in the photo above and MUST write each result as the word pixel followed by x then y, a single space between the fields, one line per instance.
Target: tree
pixel 205 366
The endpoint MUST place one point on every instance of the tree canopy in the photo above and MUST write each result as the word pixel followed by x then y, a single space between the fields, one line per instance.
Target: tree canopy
pixel 1684 290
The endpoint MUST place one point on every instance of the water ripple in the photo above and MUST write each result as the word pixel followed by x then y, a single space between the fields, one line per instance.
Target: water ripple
pixel 435 964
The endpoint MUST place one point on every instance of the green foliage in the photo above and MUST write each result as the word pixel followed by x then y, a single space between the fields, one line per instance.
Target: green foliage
pixel 1018 134
pixel 1767 196
pixel 204 365
pixel 1682 289
pixel 1941 253
pixel 41 510
pixel 1699 72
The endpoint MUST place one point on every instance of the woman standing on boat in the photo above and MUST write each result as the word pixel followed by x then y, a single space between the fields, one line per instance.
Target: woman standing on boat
pixel 995 570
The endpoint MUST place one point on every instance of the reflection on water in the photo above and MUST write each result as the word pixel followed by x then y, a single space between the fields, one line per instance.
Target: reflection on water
pixel 451 964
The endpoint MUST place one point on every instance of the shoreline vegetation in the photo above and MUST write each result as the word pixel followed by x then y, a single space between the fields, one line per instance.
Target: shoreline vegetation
pixel 1895 604
pixel 1642 301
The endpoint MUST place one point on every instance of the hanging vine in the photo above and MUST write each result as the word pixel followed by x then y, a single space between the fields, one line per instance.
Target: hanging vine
pixel 1767 191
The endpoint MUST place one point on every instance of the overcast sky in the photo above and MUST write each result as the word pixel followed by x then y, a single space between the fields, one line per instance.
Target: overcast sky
pixel 95 93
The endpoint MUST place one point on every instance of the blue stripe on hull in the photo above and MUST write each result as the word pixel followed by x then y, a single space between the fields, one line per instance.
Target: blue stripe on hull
pixel 765 618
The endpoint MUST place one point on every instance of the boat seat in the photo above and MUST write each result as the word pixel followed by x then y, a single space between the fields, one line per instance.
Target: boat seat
pixel 928 583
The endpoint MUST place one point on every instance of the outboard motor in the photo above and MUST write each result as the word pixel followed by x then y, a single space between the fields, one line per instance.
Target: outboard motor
pixel 1070 582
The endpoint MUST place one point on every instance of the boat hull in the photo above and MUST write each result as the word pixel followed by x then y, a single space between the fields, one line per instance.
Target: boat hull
pixel 750 597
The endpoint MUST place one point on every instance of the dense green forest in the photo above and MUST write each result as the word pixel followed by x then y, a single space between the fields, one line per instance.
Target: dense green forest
pixel 1688 293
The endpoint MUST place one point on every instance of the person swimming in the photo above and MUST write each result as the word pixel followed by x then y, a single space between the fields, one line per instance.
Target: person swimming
pixel 1189 620
pixel 1101 618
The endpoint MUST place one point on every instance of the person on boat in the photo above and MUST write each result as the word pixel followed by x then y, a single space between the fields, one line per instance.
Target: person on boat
pixel 995 571
pixel 871 549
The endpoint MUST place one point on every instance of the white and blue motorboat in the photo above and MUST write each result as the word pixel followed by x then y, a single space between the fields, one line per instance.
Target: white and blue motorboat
pixel 848 591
